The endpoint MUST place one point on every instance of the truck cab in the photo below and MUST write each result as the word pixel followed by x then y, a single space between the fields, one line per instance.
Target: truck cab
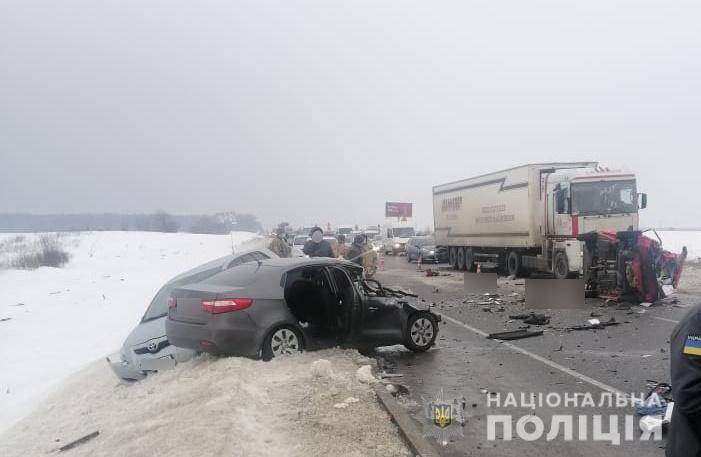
pixel 583 200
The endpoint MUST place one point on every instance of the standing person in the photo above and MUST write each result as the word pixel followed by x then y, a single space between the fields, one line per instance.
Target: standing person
pixel 278 244
pixel 355 252
pixel 318 246
pixel 341 248
pixel 684 439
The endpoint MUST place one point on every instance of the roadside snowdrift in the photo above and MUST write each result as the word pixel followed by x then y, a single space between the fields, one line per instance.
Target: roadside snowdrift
pixel 57 320
pixel 213 407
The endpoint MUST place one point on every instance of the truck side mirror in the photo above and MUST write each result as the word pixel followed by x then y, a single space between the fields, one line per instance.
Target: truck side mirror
pixel 643 201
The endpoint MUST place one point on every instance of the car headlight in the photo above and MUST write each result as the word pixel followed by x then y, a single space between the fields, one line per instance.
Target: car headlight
pixel 397 245
pixel 431 252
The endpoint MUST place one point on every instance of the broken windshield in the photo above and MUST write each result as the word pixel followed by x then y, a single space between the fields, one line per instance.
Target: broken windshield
pixel 604 197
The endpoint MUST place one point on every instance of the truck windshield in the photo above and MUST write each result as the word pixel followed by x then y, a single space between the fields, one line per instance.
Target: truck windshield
pixel 403 232
pixel 604 197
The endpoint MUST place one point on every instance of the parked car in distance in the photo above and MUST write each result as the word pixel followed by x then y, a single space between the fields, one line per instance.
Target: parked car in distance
pixel 147 348
pixel 299 241
pixel 285 305
pixel 421 247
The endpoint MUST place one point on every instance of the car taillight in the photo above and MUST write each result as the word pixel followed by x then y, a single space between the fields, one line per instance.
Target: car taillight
pixel 172 302
pixel 225 305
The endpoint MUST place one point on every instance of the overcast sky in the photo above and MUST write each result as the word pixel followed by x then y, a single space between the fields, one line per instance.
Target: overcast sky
pixel 316 111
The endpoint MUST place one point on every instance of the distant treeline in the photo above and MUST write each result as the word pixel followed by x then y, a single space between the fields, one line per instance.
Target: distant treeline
pixel 159 221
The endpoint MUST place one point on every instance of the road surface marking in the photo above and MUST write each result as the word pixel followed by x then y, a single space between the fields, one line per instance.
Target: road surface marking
pixel 665 319
pixel 541 359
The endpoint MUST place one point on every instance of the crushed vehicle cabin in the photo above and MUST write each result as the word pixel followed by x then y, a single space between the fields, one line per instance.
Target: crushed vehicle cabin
pixel 630 266
pixel 281 306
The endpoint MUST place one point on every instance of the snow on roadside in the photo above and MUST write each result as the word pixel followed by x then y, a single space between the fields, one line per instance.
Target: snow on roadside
pixel 60 319
pixel 212 407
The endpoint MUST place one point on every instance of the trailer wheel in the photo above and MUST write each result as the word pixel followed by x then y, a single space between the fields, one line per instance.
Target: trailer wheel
pixel 453 257
pixel 513 264
pixel 561 267
pixel 469 259
pixel 461 258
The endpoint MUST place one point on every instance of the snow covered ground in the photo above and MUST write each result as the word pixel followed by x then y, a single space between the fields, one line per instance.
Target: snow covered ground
pixel 311 404
pixel 61 319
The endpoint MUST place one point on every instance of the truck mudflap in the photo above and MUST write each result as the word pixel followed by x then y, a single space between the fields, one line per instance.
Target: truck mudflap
pixel 631 265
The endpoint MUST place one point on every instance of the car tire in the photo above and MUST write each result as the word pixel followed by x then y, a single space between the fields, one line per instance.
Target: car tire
pixel 288 337
pixel 421 332
pixel 408 257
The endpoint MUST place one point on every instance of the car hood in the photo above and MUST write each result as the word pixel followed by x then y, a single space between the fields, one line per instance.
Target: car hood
pixel 428 248
pixel 155 328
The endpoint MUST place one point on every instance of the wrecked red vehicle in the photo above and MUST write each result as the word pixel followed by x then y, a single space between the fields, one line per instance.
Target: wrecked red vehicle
pixel 629 266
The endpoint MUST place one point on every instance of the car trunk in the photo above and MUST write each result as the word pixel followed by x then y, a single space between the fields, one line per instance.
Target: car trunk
pixel 188 307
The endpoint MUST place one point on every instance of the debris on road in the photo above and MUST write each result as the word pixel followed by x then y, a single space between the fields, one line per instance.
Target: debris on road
pixel 655 404
pixel 513 335
pixel 595 324
pixel 79 441
pixel 532 318
pixel 5 319
pixel 537 319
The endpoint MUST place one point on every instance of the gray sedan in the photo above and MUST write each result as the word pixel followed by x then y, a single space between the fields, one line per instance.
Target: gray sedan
pixel 423 248
pixel 147 349
pixel 281 306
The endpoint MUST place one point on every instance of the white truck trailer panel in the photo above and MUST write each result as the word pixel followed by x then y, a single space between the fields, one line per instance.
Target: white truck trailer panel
pixel 501 209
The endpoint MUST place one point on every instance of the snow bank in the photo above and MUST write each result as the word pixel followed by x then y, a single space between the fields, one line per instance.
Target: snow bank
pixel 215 407
pixel 63 318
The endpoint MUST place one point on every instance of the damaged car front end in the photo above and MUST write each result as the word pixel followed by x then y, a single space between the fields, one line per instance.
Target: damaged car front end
pixel 628 265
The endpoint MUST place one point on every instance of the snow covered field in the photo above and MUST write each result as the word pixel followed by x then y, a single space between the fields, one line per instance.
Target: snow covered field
pixel 310 404
pixel 61 319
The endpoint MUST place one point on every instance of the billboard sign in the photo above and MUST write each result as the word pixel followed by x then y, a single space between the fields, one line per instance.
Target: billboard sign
pixel 397 209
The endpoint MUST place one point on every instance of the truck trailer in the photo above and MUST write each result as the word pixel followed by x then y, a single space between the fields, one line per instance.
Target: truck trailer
pixel 530 218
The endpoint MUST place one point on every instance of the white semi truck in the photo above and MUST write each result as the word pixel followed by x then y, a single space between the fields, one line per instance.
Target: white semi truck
pixel 528 218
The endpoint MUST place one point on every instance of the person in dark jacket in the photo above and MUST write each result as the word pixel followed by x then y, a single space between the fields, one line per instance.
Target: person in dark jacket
pixel 355 252
pixel 318 246
pixel 684 438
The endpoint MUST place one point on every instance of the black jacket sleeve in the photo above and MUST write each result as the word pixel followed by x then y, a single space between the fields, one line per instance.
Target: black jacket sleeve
pixel 686 367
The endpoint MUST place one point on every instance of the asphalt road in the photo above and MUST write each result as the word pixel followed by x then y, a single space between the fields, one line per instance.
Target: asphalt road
pixel 626 358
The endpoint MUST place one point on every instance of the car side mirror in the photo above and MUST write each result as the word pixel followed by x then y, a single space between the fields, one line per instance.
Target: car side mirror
pixel 643 201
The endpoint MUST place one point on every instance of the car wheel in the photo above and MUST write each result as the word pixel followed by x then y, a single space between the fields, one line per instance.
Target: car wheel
pixel 422 330
pixel 281 342
pixel 408 257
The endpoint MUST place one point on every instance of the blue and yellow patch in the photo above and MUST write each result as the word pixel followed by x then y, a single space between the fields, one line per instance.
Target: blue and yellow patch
pixel 692 345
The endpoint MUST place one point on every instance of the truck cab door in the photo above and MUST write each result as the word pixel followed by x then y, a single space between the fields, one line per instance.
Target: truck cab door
pixel 561 211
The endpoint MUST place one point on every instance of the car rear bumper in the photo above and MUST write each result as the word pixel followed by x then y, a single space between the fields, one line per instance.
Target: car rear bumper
pixel 230 333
